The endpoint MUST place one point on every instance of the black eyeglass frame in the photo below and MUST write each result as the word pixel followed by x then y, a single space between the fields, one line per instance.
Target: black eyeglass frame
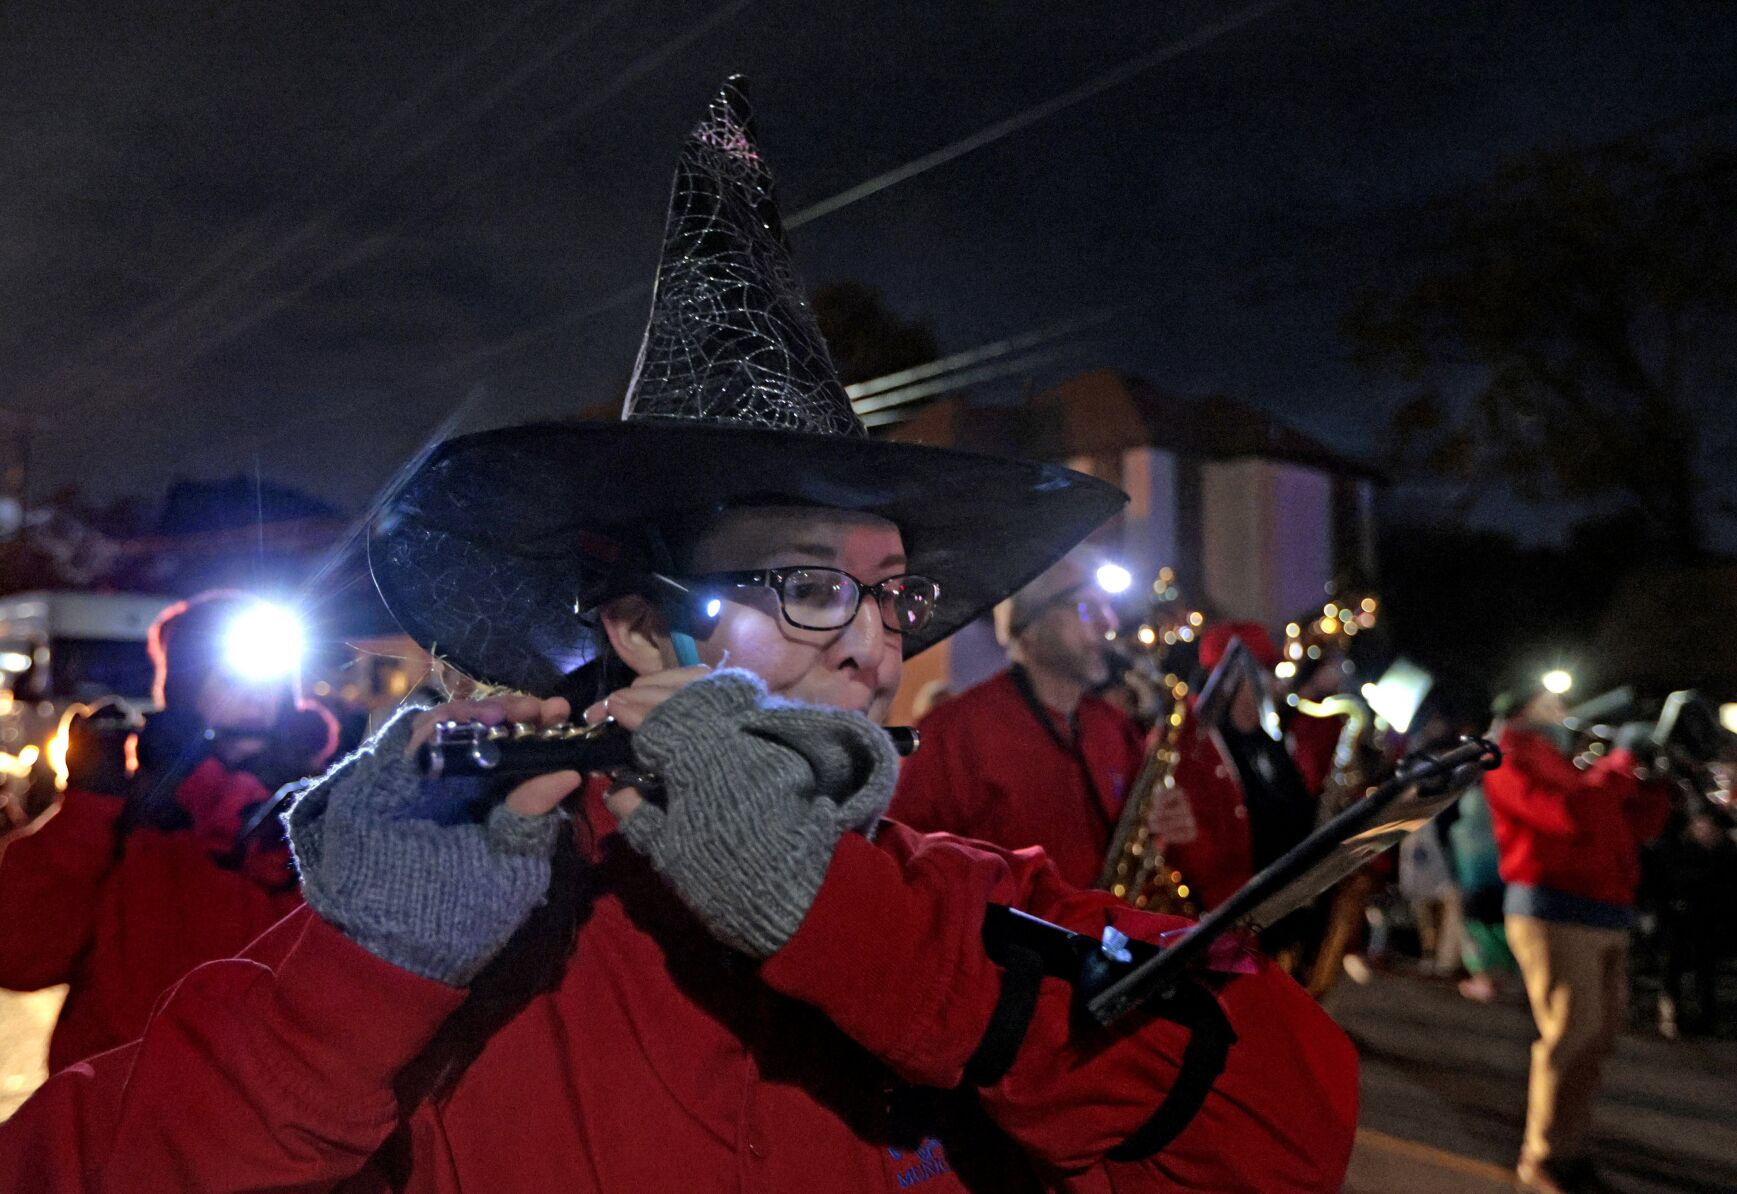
pixel 774 578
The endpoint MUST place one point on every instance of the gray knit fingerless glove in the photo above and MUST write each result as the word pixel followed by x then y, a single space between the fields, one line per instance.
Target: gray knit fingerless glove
pixel 758 792
pixel 415 871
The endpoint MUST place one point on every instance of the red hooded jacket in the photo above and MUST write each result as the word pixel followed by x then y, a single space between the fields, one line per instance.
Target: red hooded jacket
pixel 988 770
pixel 1570 831
pixel 121 918
pixel 655 1060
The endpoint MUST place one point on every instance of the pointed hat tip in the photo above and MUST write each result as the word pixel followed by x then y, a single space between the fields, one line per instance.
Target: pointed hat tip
pixel 729 123
pixel 733 102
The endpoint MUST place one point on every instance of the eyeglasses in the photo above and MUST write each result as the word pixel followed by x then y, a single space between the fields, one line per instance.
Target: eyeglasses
pixel 829 598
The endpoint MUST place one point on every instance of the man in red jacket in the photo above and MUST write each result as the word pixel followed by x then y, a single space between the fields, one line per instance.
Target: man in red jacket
pixel 137 877
pixel 1030 757
pixel 1569 842
pixel 734 975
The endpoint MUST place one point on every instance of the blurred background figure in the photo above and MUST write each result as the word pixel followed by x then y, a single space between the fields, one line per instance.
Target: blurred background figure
pixel 1569 844
pixel 162 851
pixel 1031 757
pixel 1426 881
pixel 1429 876
pixel 1693 872
pixel 931 695
pixel 1471 837
pixel 1250 799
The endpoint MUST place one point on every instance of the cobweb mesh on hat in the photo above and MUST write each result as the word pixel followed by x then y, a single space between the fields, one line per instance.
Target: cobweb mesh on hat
pixel 731 337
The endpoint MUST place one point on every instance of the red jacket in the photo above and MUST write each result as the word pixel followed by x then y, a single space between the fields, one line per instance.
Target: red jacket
pixel 1571 831
pixel 1314 740
pixel 988 770
pixel 121 919
pixel 657 1061
pixel 1221 857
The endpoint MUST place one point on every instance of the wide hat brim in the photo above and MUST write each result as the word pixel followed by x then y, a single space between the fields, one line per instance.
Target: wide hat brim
pixel 500 542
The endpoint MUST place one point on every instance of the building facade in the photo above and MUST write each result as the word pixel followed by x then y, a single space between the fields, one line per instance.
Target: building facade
pixel 1255 518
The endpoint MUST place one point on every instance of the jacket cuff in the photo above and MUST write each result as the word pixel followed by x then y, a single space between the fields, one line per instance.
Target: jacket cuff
pixel 872 954
pixel 353 1019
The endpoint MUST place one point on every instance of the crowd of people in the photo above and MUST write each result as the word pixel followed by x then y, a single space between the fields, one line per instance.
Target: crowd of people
pixel 1525 887
pixel 758 958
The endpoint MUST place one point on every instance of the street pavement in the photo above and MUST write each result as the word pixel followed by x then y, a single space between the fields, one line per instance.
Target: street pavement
pixel 1444 1092
pixel 1444 1096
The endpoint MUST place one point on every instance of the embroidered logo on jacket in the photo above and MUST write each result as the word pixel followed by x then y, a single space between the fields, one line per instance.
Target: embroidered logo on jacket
pixel 928 1160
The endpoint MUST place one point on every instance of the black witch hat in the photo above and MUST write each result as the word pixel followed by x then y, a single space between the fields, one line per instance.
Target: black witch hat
pixel 498 549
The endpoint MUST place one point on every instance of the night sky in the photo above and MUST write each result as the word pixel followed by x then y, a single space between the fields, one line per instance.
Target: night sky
pixel 302 233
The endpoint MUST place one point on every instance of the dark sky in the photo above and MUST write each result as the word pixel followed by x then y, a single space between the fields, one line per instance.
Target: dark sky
pixel 304 231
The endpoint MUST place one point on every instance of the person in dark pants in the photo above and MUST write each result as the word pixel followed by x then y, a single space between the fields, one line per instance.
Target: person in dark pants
pixel 1695 870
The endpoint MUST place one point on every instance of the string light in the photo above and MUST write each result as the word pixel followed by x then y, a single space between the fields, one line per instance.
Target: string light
pixel 1343 616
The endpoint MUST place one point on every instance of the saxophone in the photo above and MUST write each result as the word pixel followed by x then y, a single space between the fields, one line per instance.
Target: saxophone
pixel 1134 869
pixel 1356 764
pixel 1352 608
pixel 1351 777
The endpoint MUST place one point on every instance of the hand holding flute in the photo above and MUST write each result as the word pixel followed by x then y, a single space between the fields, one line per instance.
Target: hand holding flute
pixel 513 737
pixel 627 707
pixel 538 794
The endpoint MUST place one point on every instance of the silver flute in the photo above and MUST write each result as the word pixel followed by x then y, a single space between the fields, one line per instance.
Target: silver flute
pixel 473 749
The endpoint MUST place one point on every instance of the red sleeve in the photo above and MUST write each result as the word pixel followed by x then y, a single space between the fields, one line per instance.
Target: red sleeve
pixel 1537 787
pixel 269 1071
pixel 50 881
pixel 1648 810
pixel 892 952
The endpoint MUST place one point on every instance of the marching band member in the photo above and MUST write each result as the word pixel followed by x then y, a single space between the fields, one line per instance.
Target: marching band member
pixel 1030 757
pixel 1249 799
pixel 752 981
pixel 1569 844
pixel 139 876
pixel 1314 736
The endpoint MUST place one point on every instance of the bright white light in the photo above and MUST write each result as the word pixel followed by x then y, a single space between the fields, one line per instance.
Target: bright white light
pixel 263 643
pixel 1113 578
pixel 1557 681
pixel 13 661
pixel 1728 717
pixel 1396 697
pixel 714 607
pixel 1285 670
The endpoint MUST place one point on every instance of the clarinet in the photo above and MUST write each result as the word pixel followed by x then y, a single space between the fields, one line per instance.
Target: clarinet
pixel 471 749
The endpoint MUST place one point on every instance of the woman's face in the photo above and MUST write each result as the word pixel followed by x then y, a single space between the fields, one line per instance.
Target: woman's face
pixel 856 667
